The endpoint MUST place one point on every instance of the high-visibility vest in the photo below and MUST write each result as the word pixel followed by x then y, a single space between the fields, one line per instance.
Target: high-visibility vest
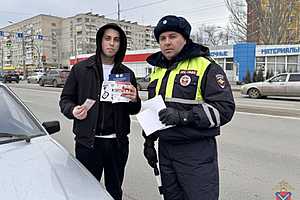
pixel 196 66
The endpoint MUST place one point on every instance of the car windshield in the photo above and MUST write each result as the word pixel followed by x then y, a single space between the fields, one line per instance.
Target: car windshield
pixel 15 119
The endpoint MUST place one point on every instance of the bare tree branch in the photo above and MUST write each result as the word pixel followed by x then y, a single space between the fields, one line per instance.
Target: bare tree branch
pixel 273 20
pixel 238 19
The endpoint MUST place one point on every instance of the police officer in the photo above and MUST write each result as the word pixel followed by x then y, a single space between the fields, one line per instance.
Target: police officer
pixel 199 100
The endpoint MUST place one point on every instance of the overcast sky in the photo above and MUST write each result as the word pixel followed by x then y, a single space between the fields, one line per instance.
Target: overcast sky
pixel 145 12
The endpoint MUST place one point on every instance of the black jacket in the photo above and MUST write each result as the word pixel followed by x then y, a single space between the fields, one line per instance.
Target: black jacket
pixel 84 81
pixel 216 97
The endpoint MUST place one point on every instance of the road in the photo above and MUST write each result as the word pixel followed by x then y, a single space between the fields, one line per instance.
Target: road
pixel 257 149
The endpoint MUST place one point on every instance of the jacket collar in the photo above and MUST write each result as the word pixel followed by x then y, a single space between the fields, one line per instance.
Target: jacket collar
pixel 190 50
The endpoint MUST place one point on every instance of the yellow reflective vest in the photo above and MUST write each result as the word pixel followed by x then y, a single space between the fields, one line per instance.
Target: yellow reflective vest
pixel 183 83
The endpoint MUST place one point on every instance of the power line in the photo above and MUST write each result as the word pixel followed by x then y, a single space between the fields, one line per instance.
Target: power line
pixel 136 7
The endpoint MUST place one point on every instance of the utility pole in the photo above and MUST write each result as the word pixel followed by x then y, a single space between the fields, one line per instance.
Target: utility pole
pixel 24 56
pixel 118 10
pixel 75 46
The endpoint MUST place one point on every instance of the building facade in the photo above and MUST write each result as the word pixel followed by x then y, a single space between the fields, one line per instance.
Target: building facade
pixel 47 41
pixel 236 59
pixel 30 43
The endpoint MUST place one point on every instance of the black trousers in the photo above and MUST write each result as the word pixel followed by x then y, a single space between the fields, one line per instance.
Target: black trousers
pixel 189 171
pixel 110 155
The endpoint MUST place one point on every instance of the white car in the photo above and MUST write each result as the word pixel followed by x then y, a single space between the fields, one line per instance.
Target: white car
pixel 285 84
pixel 33 166
pixel 35 77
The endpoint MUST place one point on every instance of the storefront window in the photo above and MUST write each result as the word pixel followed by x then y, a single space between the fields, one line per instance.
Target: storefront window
pixel 280 68
pixel 229 64
pixel 260 59
pixel 292 59
pixel 292 68
pixel 280 59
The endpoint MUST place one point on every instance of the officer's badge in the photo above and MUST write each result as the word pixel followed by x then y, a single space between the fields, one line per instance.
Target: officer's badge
pixel 220 80
pixel 185 80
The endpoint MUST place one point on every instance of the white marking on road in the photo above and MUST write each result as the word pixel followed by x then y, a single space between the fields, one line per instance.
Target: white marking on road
pixel 42 91
pixel 267 115
pixel 281 108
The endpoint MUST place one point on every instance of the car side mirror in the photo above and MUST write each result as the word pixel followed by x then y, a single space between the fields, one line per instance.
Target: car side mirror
pixel 51 126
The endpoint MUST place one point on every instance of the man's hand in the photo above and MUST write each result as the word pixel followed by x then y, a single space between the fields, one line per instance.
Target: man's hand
pixel 79 112
pixel 150 152
pixel 172 116
pixel 130 92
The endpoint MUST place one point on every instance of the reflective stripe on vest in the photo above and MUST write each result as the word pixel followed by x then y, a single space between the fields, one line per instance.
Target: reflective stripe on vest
pixel 198 64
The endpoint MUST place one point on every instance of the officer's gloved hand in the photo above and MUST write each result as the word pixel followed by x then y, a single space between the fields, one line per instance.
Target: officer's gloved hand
pixel 150 152
pixel 172 116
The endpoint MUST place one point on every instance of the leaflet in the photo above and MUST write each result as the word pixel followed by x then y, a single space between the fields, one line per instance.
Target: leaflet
pixel 112 91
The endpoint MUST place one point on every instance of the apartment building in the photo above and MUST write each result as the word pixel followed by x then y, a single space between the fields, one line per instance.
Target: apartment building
pixel 49 41
pixel 30 43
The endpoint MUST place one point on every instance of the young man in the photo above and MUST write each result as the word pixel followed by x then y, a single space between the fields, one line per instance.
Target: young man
pixel 199 100
pixel 101 140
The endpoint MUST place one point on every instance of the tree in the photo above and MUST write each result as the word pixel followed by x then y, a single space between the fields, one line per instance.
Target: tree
pixel 260 75
pixel 247 78
pixel 211 35
pixel 274 18
pixel 254 76
pixel 238 19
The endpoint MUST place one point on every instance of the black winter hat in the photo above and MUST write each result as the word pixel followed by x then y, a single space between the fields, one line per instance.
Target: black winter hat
pixel 173 23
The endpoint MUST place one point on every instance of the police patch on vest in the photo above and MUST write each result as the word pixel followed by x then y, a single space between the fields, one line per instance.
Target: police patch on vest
pixel 220 80
pixel 185 80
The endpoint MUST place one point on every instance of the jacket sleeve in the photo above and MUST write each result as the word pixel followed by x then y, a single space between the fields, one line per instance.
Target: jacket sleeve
pixel 68 97
pixel 218 106
pixel 134 107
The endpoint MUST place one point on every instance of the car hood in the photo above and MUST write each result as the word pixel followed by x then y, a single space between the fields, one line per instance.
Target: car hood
pixel 44 170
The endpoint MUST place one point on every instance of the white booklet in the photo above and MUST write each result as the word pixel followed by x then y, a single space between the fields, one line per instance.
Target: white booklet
pixel 148 117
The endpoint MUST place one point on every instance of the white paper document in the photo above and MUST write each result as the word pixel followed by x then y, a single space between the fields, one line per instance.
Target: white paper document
pixel 88 104
pixel 148 117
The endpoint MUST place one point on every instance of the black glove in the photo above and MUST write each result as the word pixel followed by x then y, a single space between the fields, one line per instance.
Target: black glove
pixel 172 116
pixel 150 152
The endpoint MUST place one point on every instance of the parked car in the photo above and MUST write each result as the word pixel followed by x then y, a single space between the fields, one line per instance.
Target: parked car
pixel 142 83
pixel 35 77
pixel 54 77
pixel 9 76
pixel 285 84
pixel 35 166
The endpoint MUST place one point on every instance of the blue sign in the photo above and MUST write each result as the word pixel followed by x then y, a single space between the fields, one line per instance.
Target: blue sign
pixel 219 53
pixel 1 33
pixel 19 35
pixel 281 50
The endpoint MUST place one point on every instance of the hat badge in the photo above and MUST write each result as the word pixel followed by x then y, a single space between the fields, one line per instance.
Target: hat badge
pixel 165 21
